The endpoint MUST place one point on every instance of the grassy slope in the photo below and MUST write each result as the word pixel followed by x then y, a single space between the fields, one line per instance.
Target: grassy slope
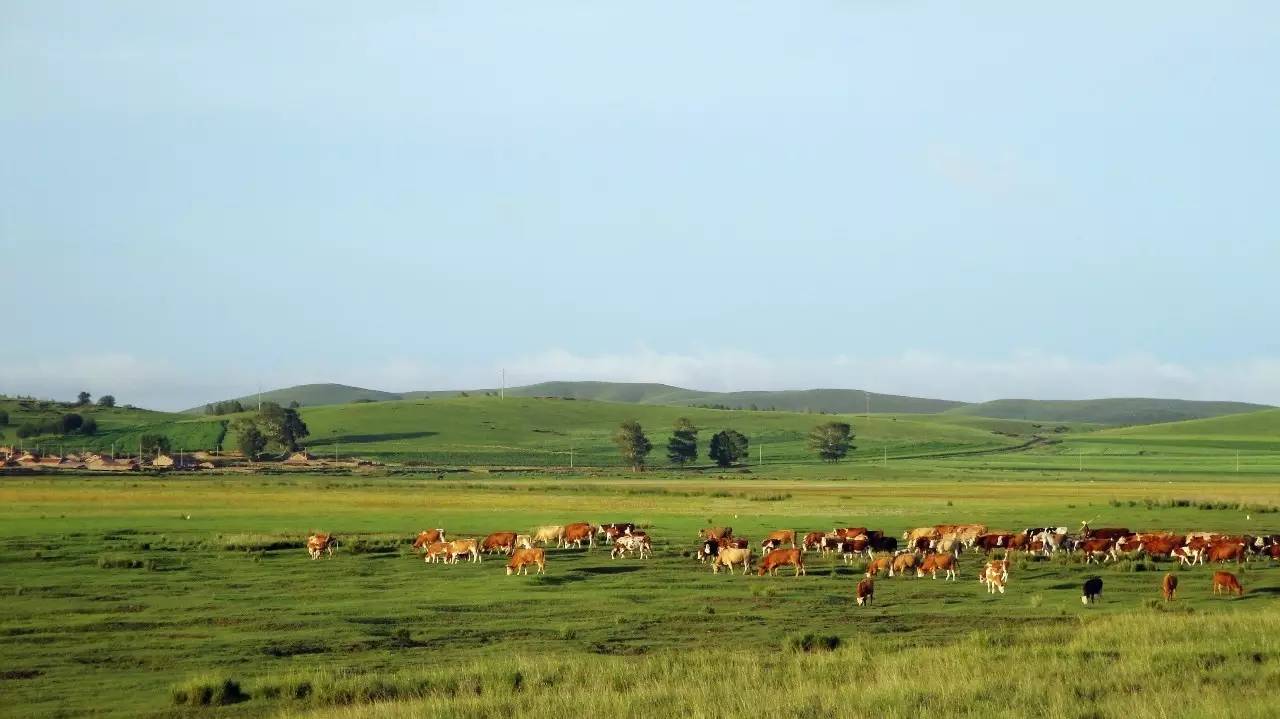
pixel 524 431
pixel 1113 411
pixel 116 426
pixel 312 395
pixel 90 635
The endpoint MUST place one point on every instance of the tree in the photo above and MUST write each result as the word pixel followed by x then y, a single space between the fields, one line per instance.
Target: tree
pixel 727 447
pixel 82 399
pixel 632 443
pixel 831 440
pixel 70 423
pixel 155 443
pixel 90 426
pixel 282 426
pixel 107 400
pixel 4 418
pixel 683 445
pixel 249 438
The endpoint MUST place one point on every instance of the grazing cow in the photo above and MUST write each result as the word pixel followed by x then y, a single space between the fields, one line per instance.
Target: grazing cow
pixel 950 544
pixel 992 541
pixel 850 548
pixel 728 557
pixel 548 535
pixel 865 592
pixel 504 542
pixel 522 558
pixel 709 549
pixel 812 540
pixel 429 536
pixel 468 547
pixel 1226 552
pixel 524 541
pixel 318 544
pixel 878 565
pixel 1274 551
pixel 912 535
pixel 1227 583
pixel 578 533
pixel 1092 590
pixel 934 563
pixel 995 575
pixel 436 552
pixel 734 542
pixel 902 563
pixel 638 543
pixel 769 545
pixel 921 545
pixel 1161 546
pixel 715 533
pixel 782 558
pixel 782 536
pixel 1169 586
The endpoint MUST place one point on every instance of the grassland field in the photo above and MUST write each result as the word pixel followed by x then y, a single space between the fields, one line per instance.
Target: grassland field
pixel 139 596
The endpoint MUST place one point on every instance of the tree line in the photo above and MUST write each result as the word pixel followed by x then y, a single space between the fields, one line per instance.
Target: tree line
pixel 830 441
pixel 272 424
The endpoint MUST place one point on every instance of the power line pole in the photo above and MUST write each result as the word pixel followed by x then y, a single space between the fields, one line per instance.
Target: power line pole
pixel 867 396
pixel 502 393
pixel 886 455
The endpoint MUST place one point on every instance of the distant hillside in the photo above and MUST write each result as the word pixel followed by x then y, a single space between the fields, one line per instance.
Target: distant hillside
pixel 812 400
pixel 311 395
pixel 1115 411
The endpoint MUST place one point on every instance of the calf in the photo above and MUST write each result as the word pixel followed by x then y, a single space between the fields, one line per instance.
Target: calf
pixel 1169 586
pixel 779 558
pixel 995 575
pixel 727 557
pixel 1227 583
pixel 865 592
pixel 1092 590
pixel 934 563
pixel 522 558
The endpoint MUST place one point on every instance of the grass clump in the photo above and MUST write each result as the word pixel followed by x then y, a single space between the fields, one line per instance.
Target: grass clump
pixel 208 691
pixel 810 643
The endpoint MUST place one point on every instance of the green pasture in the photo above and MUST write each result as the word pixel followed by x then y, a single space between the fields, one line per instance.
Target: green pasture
pixel 118 590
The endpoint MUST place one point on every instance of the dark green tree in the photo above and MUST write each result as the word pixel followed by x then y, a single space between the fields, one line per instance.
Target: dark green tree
pixel 632 444
pixel 4 418
pixel 682 447
pixel 155 443
pixel 728 447
pixel 83 398
pixel 107 400
pixel 249 438
pixel 70 422
pixel 831 440
pixel 90 426
pixel 283 426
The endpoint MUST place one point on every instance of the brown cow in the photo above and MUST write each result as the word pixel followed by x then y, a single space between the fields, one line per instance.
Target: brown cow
pixel 715 533
pixel 522 558
pixel 1228 583
pixel 812 540
pixel 1169 586
pixel 318 544
pixel 1103 533
pixel 995 575
pixel 1226 551
pixel 1160 546
pixel 1095 548
pixel 429 536
pixel 469 547
pixel 843 532
pixel 578 533
pixel 902 563
pixel 733 542
pixel 992 541
pixel 782 558
pixel 782 536
pixel 878 565
pixel 865 592
pixel 934 562
pixel 504 542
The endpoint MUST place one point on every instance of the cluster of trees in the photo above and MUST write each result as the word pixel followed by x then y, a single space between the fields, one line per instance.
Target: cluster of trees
pixel 84 399
pixel 231 406
pixel 831 441
pixel 70 423
pixel 273 424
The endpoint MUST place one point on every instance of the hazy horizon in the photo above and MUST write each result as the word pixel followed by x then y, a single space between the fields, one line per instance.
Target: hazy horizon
pixel 969 202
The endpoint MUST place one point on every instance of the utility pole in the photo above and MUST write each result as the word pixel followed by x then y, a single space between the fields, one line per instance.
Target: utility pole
pixel 502 393
pixel 570 456
pixel 760 462
pixel 886 455
pixel 259 396
pixel 1237 460
pixel 1081 455
pixel 867 396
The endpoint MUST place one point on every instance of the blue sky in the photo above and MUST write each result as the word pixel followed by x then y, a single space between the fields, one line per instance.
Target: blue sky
pixel 969 200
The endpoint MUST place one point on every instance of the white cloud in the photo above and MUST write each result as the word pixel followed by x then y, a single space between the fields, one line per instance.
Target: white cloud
pixel 1030 374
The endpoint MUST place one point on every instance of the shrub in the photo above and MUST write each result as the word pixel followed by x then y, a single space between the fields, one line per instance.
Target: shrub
pixel 208 691
pixel 810 642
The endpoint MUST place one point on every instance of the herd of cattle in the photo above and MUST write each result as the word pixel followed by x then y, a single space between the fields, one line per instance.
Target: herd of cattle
pixel 922 551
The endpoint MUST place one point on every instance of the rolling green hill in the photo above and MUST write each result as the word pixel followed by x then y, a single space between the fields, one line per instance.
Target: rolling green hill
pixel 120 427
pixel 1114 411
pixel 813 400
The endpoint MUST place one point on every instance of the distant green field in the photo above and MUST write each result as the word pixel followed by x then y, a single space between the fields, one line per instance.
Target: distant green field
pixel 121 594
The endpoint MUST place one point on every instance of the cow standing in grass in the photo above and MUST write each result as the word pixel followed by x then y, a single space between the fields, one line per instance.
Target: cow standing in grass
pixel 522 558
pixel 318 544
pixel 779 558
pixel 865 592
pixel 1169 587
pixel 1092 591
pixel 728 557
pixel 1227 583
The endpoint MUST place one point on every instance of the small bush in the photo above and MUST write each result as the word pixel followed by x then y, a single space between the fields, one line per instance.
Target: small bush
pixel 110 562
pixel 208 691
pixel 810 642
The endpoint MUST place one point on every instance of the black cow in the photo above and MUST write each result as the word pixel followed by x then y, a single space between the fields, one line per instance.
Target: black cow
pixel 1092 590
